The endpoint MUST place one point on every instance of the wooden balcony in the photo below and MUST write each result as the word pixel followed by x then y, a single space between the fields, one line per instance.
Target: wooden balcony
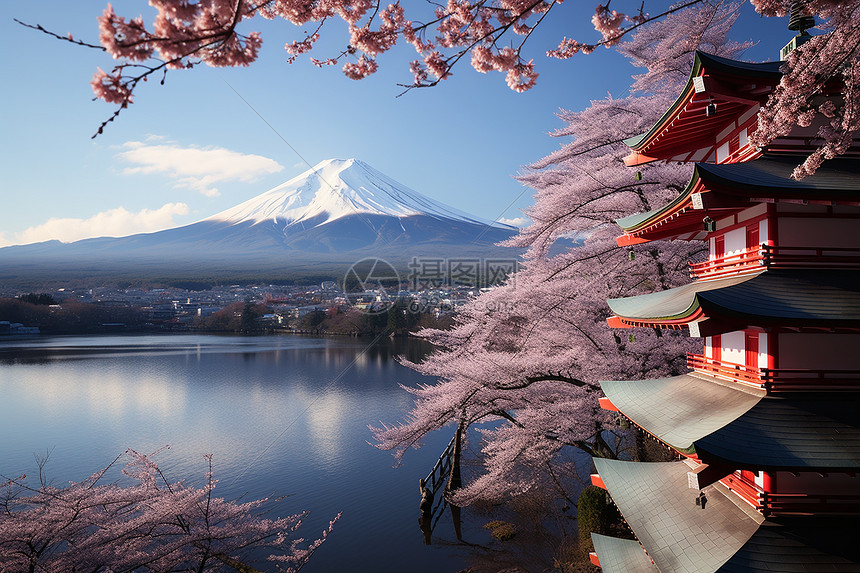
pixel 791 503
pixel 760 257
pixel 724 369
pixel 776 380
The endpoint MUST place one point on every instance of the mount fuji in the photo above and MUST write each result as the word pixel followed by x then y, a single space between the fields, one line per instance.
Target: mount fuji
pixel 316 224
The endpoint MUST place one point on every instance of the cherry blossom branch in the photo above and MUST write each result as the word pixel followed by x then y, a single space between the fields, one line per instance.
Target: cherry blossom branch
pixel 67 38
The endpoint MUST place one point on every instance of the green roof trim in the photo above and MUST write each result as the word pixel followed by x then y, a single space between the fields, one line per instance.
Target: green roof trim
pixel 767 176
pixel 635 140
pixel 621 555
pixel 671 304
pixel 634 222
pixel 814 298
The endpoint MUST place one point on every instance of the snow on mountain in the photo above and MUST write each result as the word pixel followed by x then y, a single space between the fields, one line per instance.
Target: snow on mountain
pixel 316 224
pixel 337 188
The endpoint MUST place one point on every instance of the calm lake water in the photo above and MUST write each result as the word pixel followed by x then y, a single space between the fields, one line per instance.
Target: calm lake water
pixel 283 416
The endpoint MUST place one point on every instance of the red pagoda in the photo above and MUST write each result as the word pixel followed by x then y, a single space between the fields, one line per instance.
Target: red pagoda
pixel 767 421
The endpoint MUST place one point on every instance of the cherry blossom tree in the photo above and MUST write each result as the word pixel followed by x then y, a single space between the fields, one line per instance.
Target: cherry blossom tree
pixel 528 356
pixel 824 60
pixel 491 34
pixel 150 525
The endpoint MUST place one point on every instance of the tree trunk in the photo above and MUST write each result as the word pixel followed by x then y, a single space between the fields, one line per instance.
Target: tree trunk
pixel 455 481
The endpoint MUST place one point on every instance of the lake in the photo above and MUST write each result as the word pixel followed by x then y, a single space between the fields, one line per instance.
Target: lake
pixel 284 417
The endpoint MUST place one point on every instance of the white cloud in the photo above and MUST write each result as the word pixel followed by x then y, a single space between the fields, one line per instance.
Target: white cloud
pixel 198 168
pixel 515 221
pixel 113 223
pixel 4 241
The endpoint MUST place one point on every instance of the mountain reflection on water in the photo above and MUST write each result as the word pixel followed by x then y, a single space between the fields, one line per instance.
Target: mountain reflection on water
pixel 285 416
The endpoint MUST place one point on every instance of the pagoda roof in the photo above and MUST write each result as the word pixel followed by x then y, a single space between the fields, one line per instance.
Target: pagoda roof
pixel 726 188
pixel 680 410
pixel 725 537
pixel 799 544
pixel 680 537
pixel 621 555
pixel 735 87
pixel 783 433
pixel 723 423
pixel 828 299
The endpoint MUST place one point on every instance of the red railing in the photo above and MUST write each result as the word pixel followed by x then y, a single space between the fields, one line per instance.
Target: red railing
pixel 776 379
pixel 756 258
pixel 808 503
pixel 791 503
pixel 746 261
pixel 745 489
pixel 724 369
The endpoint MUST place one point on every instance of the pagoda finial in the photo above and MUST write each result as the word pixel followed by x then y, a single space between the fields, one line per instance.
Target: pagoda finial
pixel 797 20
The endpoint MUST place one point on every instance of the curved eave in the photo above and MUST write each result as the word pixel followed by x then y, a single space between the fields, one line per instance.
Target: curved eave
pixel 739 428
pixel 679 305
pixel 686 117
pixel 790 434
pixel 680 409
pixel 655 501
pixel 724 189
pixel 789 545
pixel 837 181
pixel 780 298
pixel 621 555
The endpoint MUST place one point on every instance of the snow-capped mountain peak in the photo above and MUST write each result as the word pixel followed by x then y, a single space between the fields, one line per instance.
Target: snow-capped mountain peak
pixel 336 188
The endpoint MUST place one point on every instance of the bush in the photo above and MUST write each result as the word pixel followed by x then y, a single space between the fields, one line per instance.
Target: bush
pixel 595 514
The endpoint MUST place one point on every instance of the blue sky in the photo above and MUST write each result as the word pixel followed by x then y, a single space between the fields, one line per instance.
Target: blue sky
pixel 210 139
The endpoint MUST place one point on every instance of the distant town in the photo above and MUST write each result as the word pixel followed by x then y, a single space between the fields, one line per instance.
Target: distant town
pixel 319 309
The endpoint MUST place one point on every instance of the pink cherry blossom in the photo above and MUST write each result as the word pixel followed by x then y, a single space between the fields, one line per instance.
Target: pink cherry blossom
pixel 147 524
pixel 527 355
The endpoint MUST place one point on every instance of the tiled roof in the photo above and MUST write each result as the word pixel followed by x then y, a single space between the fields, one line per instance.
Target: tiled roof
pixel 621 555
pixel 770 175
pixel 679 536
pixel 766 177
pixel 812 433
pixel 681 409
pixel 817 298
pixel 720 422
pixel 800 545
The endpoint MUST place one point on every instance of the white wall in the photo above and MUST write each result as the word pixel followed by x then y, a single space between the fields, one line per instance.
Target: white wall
pixel 733 347
pixel 762 349
pixel 722 152
pixel 736 240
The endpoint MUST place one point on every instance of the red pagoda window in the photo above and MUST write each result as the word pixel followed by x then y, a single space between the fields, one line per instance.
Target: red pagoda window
pixel 719 246
pixel 716 348
pixel 751 344
pixel 752 235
